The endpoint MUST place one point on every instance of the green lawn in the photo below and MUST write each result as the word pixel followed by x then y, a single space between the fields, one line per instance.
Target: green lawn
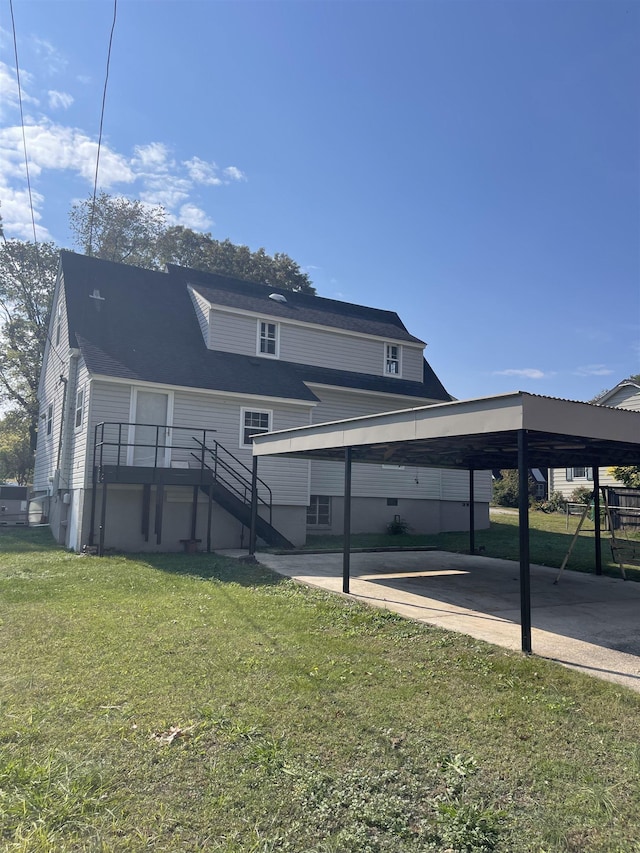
pixel 549 539
pixel 301 721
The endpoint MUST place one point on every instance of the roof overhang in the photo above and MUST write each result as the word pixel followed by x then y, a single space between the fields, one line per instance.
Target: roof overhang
pixel 477 434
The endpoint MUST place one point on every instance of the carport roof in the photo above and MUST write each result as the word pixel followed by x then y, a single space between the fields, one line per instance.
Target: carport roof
pixel 479 434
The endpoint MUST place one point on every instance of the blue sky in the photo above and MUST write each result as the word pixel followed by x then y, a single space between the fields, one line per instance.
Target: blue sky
pixel 474 166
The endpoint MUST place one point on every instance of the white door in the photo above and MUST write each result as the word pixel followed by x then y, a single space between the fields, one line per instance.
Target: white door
pixel 150 443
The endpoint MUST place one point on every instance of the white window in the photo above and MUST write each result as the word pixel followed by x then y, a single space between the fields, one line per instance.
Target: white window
pixel 253 423
pixel 59 325
pixel 579 474
pixel 49 418
pixel 319 511
pixel 392 354
pixel 268 338
pixel 79 408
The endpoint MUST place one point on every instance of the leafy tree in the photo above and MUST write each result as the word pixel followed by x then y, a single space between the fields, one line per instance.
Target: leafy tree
pixel 187 248
pixel 507 489
pixel 27 280
pixel 628 474
pixel 16 452
pixel 130 232
pixel 118 229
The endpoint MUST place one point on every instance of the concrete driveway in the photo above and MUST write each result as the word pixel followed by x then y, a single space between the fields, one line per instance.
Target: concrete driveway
pixel 585 622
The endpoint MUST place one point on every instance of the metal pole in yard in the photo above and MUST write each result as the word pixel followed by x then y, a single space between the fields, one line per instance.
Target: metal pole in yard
pixel 346 552
pixel 254 508
pixel 472 514
pixel 523 530
pixel 596 519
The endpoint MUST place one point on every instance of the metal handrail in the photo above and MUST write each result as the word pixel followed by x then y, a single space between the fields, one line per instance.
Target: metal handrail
pixel 232 478
pixel 230 469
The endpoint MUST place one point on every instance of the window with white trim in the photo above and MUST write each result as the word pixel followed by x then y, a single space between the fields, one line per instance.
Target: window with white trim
pixel 319 511
pixel 253 422
pixel 79 408
pixel 579 473
pixel 268 338
pixel 49 419
pixel 59 325
pixel 392 353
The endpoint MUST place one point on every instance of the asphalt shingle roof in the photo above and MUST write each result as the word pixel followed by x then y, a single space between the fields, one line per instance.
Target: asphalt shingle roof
pixel 144 328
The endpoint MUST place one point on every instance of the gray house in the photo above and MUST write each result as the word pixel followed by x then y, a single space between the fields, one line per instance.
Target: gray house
pixel 153 384
pixel 624 395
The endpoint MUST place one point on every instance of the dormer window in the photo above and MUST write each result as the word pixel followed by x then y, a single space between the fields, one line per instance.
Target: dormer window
pixel 268 338
pixel 392 353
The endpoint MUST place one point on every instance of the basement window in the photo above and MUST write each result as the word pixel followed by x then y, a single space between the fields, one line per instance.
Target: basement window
pixel 319 511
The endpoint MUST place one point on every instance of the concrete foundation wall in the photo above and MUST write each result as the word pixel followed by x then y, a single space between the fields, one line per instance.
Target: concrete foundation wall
pixel 372 515
pixel 123 527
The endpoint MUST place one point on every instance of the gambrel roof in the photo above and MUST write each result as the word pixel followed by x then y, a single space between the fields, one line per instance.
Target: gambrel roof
pixel 140 325
pixel 299 307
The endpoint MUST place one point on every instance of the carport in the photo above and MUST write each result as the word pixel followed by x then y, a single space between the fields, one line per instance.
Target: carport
pixel 512 431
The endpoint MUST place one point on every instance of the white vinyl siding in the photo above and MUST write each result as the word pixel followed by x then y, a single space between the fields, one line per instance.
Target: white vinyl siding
pixel 76 461
pixel 231 332
pixel 288 478
pixel 201 307
pixel 327 478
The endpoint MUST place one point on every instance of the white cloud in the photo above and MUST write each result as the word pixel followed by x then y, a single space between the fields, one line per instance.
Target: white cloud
pixel 202 172
pixel 525 372
pixel 153 157
pixel 53 146
pixel 593 370
pixel 9 89
pixel 234 174
pixel 16 213
pixel 59 100
pixel 194 217
pixel 53 60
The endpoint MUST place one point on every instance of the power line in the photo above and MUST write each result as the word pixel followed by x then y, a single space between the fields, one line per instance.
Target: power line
pixel 24 136
pixel 104 98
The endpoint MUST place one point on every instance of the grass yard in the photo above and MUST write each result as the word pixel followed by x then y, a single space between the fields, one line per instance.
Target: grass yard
pixel 549 541
pixel 193 703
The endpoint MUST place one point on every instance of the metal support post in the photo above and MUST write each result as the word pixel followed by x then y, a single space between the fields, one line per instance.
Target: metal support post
pixel 596 519
pixel 103 518
pixel 346 551
pixel 472 514
pixel 523 530
pixel 254 508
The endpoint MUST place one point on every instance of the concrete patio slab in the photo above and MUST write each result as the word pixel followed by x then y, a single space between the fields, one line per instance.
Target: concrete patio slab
pixel 585 622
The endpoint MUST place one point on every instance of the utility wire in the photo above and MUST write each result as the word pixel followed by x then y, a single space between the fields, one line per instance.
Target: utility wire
pixel 39 272
pixel 24 136
pixel 104 98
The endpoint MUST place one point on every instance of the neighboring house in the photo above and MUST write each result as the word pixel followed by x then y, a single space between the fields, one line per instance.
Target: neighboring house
pixel 625 395
pixel 13 505
pixel 154 382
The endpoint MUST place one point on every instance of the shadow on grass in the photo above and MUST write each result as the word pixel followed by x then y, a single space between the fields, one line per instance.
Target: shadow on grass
pixel 212 567
pixel 21 540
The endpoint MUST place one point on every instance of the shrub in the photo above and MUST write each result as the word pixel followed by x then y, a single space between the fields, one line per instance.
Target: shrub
pixel 581 495
pixel 397 527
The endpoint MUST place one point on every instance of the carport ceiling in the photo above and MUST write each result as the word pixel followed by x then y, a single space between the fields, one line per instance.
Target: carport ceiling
pixel 477 434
